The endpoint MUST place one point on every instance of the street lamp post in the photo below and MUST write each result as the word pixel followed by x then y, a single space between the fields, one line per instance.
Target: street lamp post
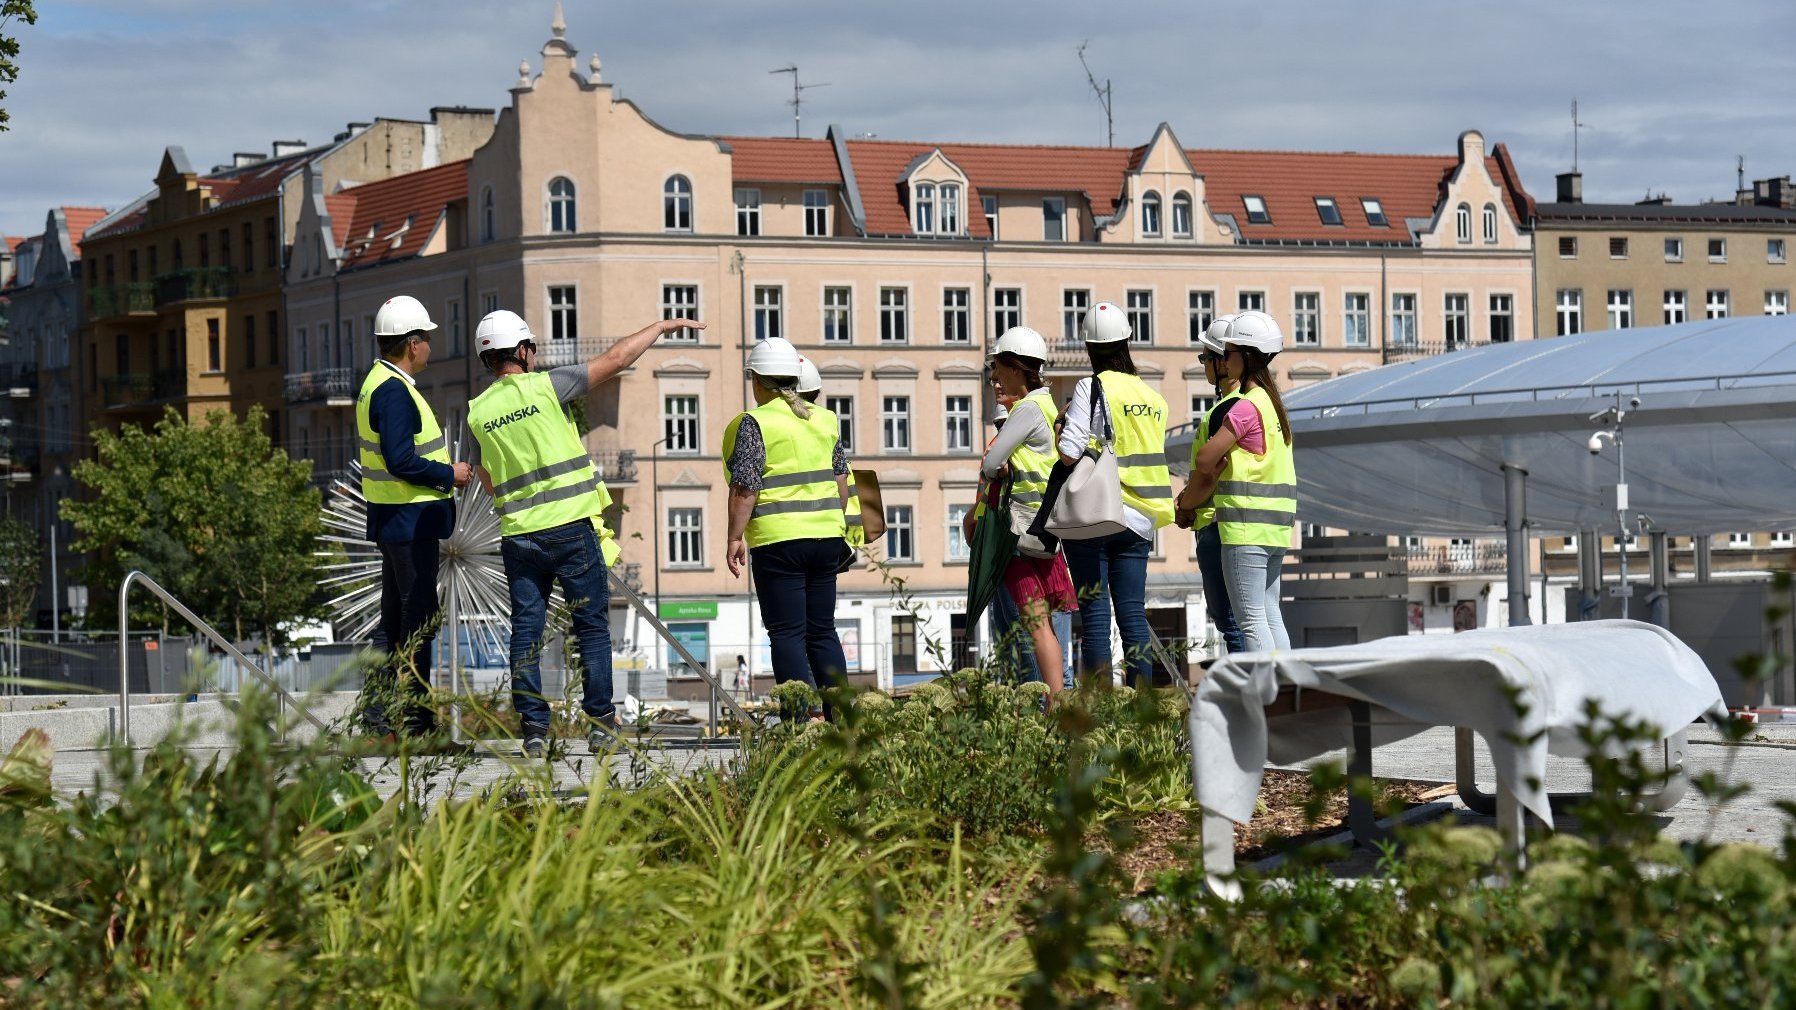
pixel 1616 496
pixel 655 514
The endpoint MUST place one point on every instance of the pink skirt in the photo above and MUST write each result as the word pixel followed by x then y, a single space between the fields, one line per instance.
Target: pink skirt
pixel 1029 579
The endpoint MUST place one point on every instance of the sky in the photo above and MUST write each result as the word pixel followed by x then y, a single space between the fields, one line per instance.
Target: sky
pixel 1672 92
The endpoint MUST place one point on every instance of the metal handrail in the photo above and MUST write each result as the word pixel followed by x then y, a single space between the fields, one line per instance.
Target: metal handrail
pixel 717 690
pixel 124 653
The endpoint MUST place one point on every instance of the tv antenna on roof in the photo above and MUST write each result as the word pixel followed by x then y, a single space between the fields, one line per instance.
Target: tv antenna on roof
pixel 798 91
pixel 1103 94
pixel 1576 126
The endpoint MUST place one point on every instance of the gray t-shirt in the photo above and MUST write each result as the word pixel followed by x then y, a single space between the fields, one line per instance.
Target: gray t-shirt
pixel 569 382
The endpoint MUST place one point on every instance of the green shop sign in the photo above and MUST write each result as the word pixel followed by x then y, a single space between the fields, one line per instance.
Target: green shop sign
pixel 688 610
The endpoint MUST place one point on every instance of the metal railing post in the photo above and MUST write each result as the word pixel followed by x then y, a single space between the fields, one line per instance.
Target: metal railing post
pixel 635 600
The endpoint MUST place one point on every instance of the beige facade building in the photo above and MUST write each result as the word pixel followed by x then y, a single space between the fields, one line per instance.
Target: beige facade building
pixel 894 265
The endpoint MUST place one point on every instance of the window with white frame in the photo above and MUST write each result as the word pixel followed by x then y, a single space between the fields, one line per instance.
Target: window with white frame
pixel 958 548
pixel 1621 309
pixel 1074 303
pixel 769 300
pixel 1674 250
pixel 957 316
pixel 489 302
pixel 1569 312
pixel 1403 320
pixel 1502 319
pixel 455 334
pixel 1568 247
pixel 1200 312
pixel 1462 223
pixel 957 413
pixel 1256 209
pixel 838 315
pixel 564 314
pixel 1717 304
pixel 1306 319
pixel 1140 309
pixel 1053 219
pixel 1007 308
pixel 1356 319
pixel 894 316
pixel 679 423
pixel 816 212
pixel 561 206
pixel 1718 250
pixel 676 204
pixel 922 199
pixel 1150 214
pixel 1201 405
pixel 1181 215
pixel 685 537
pixel 748 212
pixel 843 408
pixel 1250 301
pixel 1456 319
pixel 1783 538
pixel 1777 303
pixel 1327 211
pixel 1739 540
pixel 680 301
pixel 949 194
pixel 900 545
pixel 1374 212
pixel 1490 224
pixel 1774 250
pixel 989 204
pixel 489 217
pixel 1677 307
pixel 895 424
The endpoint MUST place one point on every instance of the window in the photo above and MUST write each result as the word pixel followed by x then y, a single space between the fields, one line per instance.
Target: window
pixel 1502 319
pixel 1570 312
pixel 224 248
pixel 899 547
pixel 1462 223
pixel 1717 305
pixel 1739 540
pixel 1150 214
pixel 1356 319
pixel 1256 210
pixel 676 204
pixel 1621 310
pixel 1200 312
pixel 1490 224
pixel 1568 247
pixel 489 225
pixel 1053 219
pixel 1140 309
pixel 1403 321
pixel 679 423
pixel 1327 211
pixel 843 408
pixel 957 316
pixel 1074 303
pixel 923 208
pixel 958 548
pixel 767 313
pixel 838 315
pixel 1201 405
pixel 958 412
pixel 1618 248
pixel 1456 316
pixel 1783 538
pixel 562 220
pixel 1374 212
pixel 249 341
pixel 455 332
pixel 680 301
pixel 1181 215
pixel 1306 318
pixel 949 195
pixel 1250 301
pixel 748 212
pixel 685 537
pixel 816 212
pixel 1774 250
pixel 1007 308
pixel 489 302
pixel 214 345
pixel 271 242
pixel 1777 303
pixel 1718 250
pixel 274 337
pixel 989 204
pixel 895 424
pixel 564 317
pixel 894 316
pixel 1674 250
pixel 1676 307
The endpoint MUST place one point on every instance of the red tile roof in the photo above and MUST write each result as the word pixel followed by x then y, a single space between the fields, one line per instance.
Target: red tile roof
pixel 382 208
pixel 341 207
pixel 1096 172
pixel 252 182
pixel 130 222
pixel 783 159
pixel 15 241
pixel 80 219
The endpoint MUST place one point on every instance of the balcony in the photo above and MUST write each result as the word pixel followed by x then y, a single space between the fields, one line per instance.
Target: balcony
pixel 1488 558
pixel 20 380
pixel 616 466
pixel 1066 357
pixel 135 298
pixel 194 283
pixel 1394 353
pixel 142 389
pixel 333 387
pixel 552 353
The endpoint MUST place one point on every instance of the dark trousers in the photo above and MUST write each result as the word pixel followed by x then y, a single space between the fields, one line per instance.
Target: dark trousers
pixel 795 581
pixel 408 602
pixel 1216 591
pixel 534 562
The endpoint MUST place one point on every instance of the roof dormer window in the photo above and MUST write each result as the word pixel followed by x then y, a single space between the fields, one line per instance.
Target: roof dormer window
pixel 1327 211
pixel 923 208
pixel 1374 212
pixel 949 195
pixel 1256 209
pixel 1150 214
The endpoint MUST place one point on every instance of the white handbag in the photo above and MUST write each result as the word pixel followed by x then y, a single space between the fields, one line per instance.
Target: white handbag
pixel 1090 504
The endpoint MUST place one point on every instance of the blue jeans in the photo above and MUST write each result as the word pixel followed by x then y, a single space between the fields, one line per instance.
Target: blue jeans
pixel 1216 590
pixel 795 582
pixel 1111 572
pixel 567 554
pixel 1252 573
pixel 1005 616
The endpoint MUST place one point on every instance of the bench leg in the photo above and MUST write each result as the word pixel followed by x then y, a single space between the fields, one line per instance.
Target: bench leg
pixel 1218 835
pixel 1512 823
pixel 1362 819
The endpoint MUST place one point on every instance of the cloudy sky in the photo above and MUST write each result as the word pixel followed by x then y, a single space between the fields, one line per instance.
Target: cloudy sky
pixel 1672 91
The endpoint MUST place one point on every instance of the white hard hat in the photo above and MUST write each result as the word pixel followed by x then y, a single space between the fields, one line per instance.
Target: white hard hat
pixel 1022 342
pixel 1000 414
pixel 501 330
pixel 1257 330
pixel 1105 324
pixel 775 356
pixel 809 379
pixel 1216 338
pixel 402 314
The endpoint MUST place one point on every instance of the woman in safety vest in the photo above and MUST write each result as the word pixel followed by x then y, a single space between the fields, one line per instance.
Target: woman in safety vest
pixel 1249 466
pixel 1111 572
pixel 1023 453
pixel 788 488
pixel 810 387
pixel 1200 516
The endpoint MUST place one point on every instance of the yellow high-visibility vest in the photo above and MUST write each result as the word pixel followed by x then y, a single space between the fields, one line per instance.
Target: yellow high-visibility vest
pixel 799 498
pixel 1256 496
pixel 1206 513
pixel 379 486
pixel 542 475
pixel 1138 415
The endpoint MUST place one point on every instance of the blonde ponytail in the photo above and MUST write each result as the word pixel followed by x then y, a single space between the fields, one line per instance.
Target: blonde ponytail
pixel 787 388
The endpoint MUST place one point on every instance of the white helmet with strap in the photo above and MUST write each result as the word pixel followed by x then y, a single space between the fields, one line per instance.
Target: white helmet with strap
pixel 1257 330
pixel 400 315
pixel 809 379
pixel 501 330
pixel 1105 324
pixel 1215 339
pixel 1022 342
pixel 774 356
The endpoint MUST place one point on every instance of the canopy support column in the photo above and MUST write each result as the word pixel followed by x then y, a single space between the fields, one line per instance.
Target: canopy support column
pixel 1590 573
pixel 1515 521
pixel 1658 599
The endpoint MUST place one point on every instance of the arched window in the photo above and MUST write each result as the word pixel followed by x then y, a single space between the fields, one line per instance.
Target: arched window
pixel 676 204
pixel 1490 223
pixel 950 194
pixel 1150 213
pixel 1462 223
pixel 562 219
pixel 488 216
pixel 1181 215
pixel 923 208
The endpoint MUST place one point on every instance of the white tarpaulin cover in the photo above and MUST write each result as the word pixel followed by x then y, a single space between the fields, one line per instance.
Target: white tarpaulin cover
pixel 1420 681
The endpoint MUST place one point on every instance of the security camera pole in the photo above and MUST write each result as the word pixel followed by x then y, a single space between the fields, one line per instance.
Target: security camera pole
pixel 1615 496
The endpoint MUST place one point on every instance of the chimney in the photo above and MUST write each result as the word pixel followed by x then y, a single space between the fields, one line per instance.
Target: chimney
pixel 1774 192
pixel 282 148
pixel 1571 187
pixel 239 159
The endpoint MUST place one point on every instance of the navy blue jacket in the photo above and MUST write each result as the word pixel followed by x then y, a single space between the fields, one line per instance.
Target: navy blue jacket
pixel 394 417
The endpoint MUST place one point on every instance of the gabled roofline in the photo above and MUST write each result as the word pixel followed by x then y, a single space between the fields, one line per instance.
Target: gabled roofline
pixel 851 190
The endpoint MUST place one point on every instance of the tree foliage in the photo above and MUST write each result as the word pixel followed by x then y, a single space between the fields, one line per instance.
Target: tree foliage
pixel 212 511
pixel 11 10
pixel 20 567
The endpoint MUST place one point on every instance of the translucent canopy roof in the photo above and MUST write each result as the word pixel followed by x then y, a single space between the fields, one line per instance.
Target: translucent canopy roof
pixel 1421 447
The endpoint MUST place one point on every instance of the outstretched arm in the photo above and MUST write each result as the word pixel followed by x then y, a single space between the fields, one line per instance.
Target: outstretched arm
pixel 624 353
